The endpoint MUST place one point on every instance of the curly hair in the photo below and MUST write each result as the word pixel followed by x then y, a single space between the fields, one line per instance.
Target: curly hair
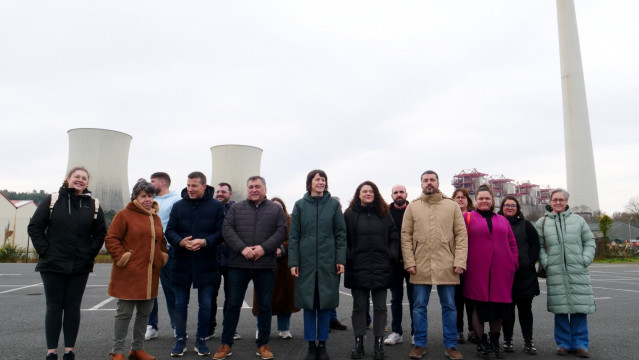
pixel 381 207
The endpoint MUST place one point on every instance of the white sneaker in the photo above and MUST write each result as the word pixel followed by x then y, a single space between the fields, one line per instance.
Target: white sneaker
pixel 237 336
pixel 151 333
pixel 393 338
pixel 210 336
pixel 285 334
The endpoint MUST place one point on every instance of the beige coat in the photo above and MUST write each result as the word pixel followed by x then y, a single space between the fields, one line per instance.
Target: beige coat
pixel 434 240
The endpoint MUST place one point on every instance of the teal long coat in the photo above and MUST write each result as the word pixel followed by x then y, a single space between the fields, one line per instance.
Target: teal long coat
pixel 317 243
pixel 567 249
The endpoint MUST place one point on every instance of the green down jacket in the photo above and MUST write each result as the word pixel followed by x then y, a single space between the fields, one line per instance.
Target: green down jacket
pixel 317 243
pixel 567 249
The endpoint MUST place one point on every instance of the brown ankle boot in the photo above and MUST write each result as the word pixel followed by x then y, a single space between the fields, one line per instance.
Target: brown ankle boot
pixel 117 356
pixel 140 355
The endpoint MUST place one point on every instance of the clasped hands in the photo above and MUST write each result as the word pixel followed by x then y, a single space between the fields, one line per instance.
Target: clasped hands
pixel 192 244
pixel 253 252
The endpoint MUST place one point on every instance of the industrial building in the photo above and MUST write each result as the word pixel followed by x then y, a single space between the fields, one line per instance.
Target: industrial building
pixel 14 218
pixel 234 164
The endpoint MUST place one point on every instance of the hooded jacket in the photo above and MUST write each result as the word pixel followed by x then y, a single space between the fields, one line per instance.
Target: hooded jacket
pixel 317 243
pixel 138 249
pixel 567 250
pixel 202 219
pixel 525 284
pixel 372 248
pixel 67 238
pixel 434 240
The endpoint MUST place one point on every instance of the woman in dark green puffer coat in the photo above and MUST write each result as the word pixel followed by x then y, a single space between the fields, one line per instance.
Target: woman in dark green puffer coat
pixel 567 250
pixel 317 254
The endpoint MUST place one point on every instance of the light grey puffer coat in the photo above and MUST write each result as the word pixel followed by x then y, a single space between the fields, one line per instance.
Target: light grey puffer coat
pixel 567 249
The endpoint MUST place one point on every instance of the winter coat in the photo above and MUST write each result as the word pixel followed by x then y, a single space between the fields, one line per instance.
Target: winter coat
pixel 317 243
pixel 248 225
pixel 372 248
pixel 138 249
pixel 567 249
pixel 492 259
pixel 222 254
pixel 202 219
pixel 283 302
pixel 434 240
pixel 67 238
pixel 525 284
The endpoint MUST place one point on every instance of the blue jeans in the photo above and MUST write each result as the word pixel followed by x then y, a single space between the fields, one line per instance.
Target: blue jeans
pixel 571 331
pixel 316 324
pixel 397 297
pixel 283 322
pixel 263 281
pixel 169 294
pixel 333 315
pixel 449 313
pixel 182 294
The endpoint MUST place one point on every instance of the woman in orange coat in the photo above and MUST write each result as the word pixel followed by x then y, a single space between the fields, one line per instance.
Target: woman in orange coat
pixel 138 249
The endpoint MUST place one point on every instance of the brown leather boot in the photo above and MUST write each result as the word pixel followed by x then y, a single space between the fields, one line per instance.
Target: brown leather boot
pixel 117 356
pixel 140 355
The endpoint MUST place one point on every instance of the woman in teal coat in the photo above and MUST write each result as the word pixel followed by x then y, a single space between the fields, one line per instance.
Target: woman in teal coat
pixel 317 254
pixel 567 249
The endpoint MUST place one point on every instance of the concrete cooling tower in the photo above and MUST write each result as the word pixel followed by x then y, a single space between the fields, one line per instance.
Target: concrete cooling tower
pixel 234 164
pixel 105 153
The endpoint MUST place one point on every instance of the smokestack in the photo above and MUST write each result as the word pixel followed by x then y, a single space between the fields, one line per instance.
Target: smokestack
pixel 234 164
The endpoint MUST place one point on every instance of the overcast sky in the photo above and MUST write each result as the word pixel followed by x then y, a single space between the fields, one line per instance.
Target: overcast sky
pixel 366 90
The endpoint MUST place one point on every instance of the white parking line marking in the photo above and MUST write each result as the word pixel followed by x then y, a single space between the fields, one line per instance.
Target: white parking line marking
pixel 10 274
pixel 20 288
pixel 627 290
pixel 98 306
pixel 603 298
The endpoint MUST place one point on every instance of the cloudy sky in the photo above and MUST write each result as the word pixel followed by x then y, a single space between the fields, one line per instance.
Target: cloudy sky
pixel 366 90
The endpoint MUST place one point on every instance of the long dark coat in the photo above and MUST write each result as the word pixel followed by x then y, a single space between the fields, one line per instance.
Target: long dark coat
pixel 525 284
pixel 317 243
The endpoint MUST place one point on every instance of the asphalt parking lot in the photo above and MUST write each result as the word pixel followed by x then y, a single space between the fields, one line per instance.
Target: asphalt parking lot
pixel 614 333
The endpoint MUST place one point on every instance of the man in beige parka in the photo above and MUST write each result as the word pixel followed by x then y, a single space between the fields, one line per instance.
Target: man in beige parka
pixel 434 248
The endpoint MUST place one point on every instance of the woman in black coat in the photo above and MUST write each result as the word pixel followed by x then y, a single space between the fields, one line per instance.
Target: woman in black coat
pixel 67 235
pixel 372 249
pixel 525 285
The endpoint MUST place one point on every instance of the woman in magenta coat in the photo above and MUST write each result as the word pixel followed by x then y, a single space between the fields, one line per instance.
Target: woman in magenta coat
pixel 490 270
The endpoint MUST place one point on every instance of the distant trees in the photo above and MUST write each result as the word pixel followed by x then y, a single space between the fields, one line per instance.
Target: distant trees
pixel 36 196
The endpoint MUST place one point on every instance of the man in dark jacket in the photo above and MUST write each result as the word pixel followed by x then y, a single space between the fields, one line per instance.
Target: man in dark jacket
pixel 194 231
pixel 397 209
pixel 253 230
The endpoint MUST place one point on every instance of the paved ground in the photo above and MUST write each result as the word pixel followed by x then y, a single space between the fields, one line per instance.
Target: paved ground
pixel 613 328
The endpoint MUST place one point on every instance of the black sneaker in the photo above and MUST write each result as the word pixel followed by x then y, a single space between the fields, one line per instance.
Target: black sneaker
pixel 52 356
pixel 460 338
pixel 508 346
pixel 68 356
pixel 529 348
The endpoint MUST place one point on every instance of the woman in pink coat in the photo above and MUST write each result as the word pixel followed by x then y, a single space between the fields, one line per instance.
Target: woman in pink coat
pixel 490 270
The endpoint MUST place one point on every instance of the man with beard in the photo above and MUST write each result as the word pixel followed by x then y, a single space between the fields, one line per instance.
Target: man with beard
pixel 434 247
pixel 397 209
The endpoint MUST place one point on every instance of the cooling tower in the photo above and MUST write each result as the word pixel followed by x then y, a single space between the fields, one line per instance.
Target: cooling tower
pixel 105 153
pixel 234 164
pixel 580 164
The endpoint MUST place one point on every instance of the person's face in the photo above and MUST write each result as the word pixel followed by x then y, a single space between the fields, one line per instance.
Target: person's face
pixel 157 183
pixel 558 202
pixel 223 194
pixel 484 200
pixel 366 195
pixel 399 195
pixel 194 188
pixel 256 191
pixel 430 184
pixel 79 180
pixel 510 208
pixel 461 200
pixel 145 199
pixel 318 184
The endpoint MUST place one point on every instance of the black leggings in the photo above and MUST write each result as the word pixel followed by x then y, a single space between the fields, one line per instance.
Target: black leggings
pixel 64 296
pixel 460 301
pixel 525 319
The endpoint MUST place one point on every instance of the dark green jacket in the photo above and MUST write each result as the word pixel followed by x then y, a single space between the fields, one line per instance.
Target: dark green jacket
pixel 567 249
pixel 317 243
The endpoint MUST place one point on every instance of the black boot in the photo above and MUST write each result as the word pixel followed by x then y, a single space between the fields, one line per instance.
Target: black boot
pixel 379 348
pixel 494 344
pixel 484 350
pixel 312 351
pixel 358 349
pixel 322 354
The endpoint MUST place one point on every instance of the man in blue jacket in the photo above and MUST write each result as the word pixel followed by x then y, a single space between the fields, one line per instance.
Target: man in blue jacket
pixel 194 231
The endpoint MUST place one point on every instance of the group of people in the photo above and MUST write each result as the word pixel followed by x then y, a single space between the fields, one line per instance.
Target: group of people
pixel 478 259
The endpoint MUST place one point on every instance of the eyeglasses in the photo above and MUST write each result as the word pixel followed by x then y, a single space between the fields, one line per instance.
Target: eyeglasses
pixel 510 205
pixel 558 200
pixel 459 197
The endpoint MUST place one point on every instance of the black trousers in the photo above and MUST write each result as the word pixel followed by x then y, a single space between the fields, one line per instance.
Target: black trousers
pixel 63 293
pixel 524 307
pixel 460 301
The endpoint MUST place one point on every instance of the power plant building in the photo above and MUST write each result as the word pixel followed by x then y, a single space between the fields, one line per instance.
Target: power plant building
pixel 105 154
pixel 234 164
